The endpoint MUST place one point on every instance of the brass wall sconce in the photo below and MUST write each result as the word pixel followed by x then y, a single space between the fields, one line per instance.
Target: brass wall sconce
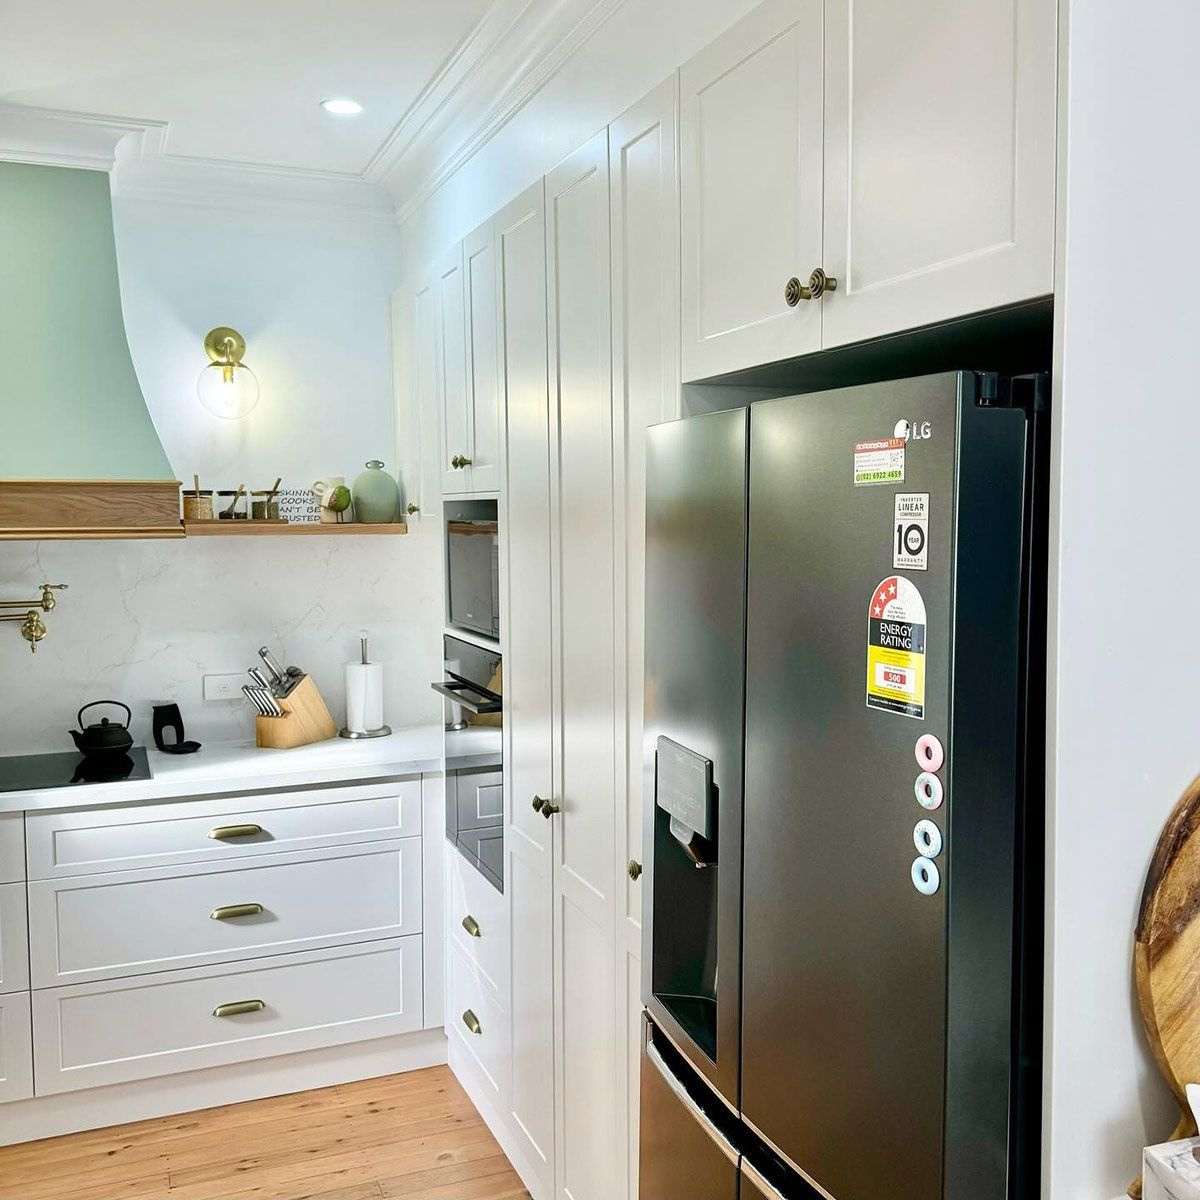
pixel 33 628
pixel 227 387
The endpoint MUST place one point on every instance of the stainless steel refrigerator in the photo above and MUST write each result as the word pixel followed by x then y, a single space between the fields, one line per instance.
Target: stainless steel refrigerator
pixel 844 682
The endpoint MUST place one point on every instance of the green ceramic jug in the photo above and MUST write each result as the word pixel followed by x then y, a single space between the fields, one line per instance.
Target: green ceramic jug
pixel 376 496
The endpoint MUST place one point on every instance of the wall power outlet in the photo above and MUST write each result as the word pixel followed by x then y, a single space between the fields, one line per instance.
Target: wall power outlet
pixel 224 687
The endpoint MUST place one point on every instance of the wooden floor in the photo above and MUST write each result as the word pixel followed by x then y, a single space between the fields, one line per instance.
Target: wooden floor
pixel 415 1136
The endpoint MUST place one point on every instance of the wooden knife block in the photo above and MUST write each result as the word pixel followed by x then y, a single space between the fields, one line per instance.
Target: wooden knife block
pixel 305 720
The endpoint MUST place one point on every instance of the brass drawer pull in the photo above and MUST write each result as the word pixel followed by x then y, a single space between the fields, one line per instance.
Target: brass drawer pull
pixel 471 1021
pixel 471 926
pixel 235 910
pixel 224 833
pixel 238 1007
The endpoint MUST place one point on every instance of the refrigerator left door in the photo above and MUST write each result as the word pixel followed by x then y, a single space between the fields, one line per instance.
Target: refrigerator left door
pixel 684 1154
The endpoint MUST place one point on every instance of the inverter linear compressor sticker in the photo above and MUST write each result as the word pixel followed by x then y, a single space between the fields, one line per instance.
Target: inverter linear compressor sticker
pixel 896 649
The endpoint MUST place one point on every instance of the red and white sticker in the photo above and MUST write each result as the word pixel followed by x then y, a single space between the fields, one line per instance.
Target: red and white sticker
pixel 879 461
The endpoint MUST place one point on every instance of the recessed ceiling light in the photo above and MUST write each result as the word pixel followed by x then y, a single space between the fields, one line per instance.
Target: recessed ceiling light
pixel 342 107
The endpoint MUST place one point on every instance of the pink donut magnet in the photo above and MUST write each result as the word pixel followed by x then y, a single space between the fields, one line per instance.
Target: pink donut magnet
pixel 930 754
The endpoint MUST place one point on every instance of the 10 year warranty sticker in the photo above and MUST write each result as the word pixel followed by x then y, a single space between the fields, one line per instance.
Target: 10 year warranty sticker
pixel 910 532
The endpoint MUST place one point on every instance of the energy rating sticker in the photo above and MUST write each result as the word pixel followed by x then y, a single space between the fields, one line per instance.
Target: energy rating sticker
pixel 896 649
pixel 880 461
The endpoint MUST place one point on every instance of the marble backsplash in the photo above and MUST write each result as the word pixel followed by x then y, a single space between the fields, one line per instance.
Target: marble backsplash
pixel 144 621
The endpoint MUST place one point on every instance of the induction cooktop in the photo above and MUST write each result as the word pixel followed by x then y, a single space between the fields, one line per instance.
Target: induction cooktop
pixel 32 772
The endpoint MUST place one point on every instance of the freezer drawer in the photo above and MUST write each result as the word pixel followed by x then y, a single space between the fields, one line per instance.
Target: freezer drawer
pixel 684 1155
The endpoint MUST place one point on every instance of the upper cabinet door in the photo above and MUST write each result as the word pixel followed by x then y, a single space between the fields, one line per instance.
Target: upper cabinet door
pixel 751 129
pixel 453 411
pixel 939 160
pixel 479 277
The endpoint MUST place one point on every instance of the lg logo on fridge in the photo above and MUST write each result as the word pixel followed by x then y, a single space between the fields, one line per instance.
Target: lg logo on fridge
pixel 913 431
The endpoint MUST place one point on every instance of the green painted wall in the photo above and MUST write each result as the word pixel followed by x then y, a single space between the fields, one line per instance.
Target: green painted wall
pixel 70 403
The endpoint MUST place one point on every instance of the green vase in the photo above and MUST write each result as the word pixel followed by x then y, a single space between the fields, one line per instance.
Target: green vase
pixel 376 496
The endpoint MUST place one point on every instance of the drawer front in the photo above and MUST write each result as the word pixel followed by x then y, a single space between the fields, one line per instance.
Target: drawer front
pixel 12 847
pixel 16 1048
pixel 14 939
pixel 478 921
pixel 135 922
pixel 99 1033
pixel 475 1019
pixel 480 797
pixel 160 835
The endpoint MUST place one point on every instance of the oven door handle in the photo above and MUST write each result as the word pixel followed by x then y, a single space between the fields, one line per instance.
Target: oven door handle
pixel 467 697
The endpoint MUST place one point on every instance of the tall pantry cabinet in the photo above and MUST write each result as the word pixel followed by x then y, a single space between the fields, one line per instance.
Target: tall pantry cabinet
pixel 588 294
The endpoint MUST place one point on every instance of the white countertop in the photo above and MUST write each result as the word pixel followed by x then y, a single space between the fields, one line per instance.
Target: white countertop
pixel 225 767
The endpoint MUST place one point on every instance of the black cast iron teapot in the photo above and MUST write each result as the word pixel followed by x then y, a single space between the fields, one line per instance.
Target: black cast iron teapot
pixel 105 739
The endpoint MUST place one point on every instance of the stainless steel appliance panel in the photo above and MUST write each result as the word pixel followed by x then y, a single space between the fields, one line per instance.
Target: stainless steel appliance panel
pixel 695 643
pixel 473 570
pixel 684 1155
pixel 844 959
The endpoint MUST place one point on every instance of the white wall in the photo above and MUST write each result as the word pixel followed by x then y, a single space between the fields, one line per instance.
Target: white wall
pixel 308 289
pixel 1125 705
pixel 638 47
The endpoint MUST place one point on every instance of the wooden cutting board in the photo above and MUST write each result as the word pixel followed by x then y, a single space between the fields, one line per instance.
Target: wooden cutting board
pixel 1166 955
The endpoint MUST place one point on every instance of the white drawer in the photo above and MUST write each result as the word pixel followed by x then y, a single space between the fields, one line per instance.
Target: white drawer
pixel 478 918
pixel 12 847
pixel 475 1019
pixel 92 1034
pixel 92 841
pixel 133 922
pixel 14 943
pixel 16 1048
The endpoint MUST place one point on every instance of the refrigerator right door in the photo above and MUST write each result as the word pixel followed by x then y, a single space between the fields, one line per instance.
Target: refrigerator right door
pixel 849 941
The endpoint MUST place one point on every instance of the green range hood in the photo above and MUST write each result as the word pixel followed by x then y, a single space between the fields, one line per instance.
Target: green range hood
pixel 79 454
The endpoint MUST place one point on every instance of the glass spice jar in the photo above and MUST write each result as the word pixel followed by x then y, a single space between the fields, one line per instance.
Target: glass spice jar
pixel 197 506
pixel 232 505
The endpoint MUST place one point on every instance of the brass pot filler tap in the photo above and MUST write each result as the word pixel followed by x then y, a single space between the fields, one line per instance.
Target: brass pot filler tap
pixel 33 628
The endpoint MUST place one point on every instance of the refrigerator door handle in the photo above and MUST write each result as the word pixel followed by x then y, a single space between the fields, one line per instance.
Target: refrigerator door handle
pixel 718 1139
pixel 767 1189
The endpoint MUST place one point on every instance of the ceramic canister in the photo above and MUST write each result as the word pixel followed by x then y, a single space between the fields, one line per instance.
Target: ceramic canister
pixel 376 495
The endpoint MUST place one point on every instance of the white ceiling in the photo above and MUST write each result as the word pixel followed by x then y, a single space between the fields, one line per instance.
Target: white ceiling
pixel 240 83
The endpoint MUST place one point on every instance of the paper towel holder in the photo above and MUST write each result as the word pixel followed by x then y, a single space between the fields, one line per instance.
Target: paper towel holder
pixel 354 734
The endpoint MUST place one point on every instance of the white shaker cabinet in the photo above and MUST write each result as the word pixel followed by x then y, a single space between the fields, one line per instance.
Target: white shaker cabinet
pixel 906 149
pixel 751 180
pixel 645 306
pixel 939 160
pixel 16 1053
pixel 586 785
pixel 528 722
pixel 468 383
pixel 453 397
pixel 483 383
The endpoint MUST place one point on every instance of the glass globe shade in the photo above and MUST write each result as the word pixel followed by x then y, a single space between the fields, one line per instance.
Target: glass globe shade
pixel 228 390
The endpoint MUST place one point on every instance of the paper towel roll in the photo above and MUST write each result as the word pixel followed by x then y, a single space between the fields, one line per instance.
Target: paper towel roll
pixel 364 697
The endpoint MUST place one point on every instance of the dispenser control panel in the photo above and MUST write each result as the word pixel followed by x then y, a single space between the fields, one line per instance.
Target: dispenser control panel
pixel 685 787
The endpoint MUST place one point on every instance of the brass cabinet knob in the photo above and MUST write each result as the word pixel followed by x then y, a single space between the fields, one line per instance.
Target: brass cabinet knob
pixel 471 926
pixel 456 461
pixel 549 808
pixel 635 869
pixel 471 1021
pixel 464 461
pixel 413 508
pixel 818 284
pixel 538 802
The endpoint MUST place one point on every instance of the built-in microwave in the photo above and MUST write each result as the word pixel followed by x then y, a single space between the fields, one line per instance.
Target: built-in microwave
pixel 473 560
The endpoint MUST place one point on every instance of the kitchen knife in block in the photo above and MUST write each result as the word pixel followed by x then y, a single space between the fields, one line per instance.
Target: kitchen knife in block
pixel 305 720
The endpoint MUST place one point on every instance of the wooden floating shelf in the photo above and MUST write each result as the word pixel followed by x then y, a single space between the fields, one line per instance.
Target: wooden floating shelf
pixel 248 528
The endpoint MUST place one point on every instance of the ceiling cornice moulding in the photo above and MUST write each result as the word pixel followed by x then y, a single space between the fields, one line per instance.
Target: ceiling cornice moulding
pixel 511 53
